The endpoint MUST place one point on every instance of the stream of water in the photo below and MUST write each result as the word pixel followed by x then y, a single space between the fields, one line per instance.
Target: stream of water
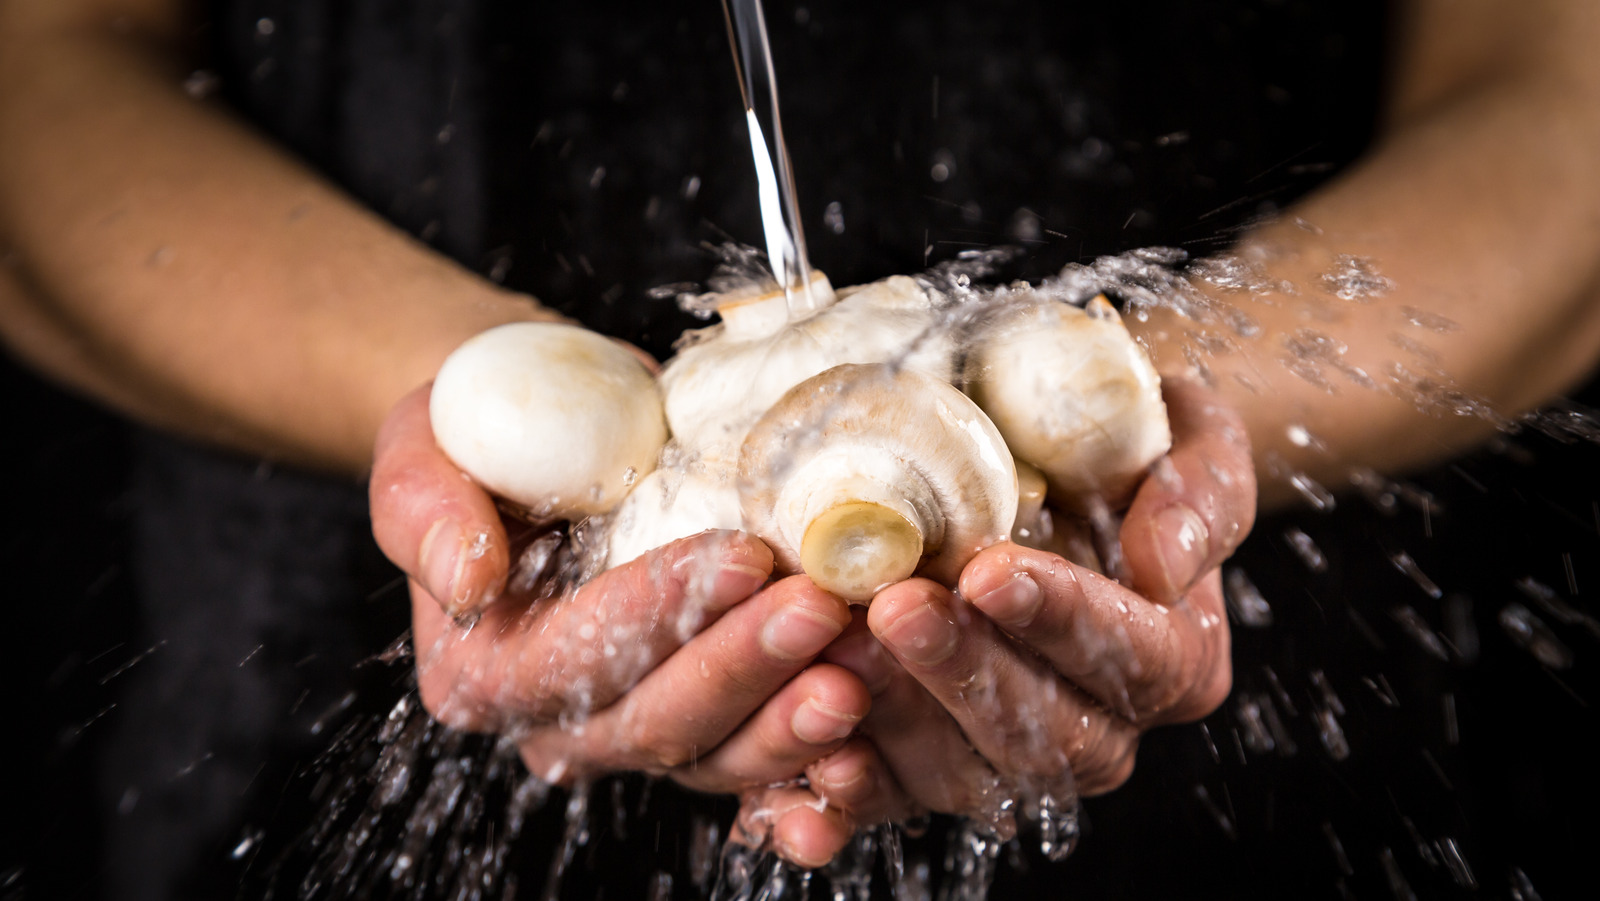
pixel 780 209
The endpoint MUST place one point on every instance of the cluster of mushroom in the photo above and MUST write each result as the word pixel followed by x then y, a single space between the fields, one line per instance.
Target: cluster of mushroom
pixel 844 439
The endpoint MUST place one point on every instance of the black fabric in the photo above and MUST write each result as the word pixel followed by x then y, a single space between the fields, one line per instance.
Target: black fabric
pixel 583 153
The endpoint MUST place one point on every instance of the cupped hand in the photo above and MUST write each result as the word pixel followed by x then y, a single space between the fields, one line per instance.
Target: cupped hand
pixel 683 663
pixel 1037 678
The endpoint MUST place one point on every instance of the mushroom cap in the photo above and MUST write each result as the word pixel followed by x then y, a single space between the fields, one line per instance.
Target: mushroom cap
pixel 550 416
pixel 873 434
pixel 1073 394
pixel 716 388
pixel 668 504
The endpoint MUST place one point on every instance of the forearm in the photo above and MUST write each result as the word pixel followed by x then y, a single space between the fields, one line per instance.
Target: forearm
pixel 170 261
pixel 1480 211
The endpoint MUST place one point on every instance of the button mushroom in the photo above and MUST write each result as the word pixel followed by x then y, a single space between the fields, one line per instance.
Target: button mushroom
pixel 866 474
pixel 1073 394
pixel 552 417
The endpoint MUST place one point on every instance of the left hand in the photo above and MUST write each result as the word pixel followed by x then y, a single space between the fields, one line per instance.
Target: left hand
pixel 1039 676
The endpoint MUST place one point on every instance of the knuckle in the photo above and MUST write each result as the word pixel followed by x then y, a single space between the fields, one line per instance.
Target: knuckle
pixel 1173 685
pixel 1087 738
pixel 1201 687
pixel 1173 675
pixel 1099 764
pixel 744 678
pixel 1210 694
pixel 1113 778
pixel 653 745
pixel 1024 749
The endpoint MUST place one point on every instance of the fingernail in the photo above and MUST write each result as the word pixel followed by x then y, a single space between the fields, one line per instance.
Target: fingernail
pixel 1181 544
pixel 838 774
pixel 862 655
pixel 441 559
pixel 796 633
pixel 737 581
pixel 793 855
pixel 922 636
pixel 1015 603
pixel 817 724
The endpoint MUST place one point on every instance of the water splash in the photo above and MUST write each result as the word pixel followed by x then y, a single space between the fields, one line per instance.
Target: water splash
pixel 1244 600
pixel 1306 549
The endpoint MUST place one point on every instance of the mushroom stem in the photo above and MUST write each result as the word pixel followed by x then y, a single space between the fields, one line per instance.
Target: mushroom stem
pixel 857 548
pixel 864 475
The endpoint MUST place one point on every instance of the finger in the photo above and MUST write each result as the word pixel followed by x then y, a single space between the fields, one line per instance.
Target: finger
pixel 1024 719
pixel 924 750
pixel 809 717
pixel 696 698
pixel 1149 662
pixel 856 778
pixel 582 651
pixel 429 518
pixel 1199 502
pixel 795 823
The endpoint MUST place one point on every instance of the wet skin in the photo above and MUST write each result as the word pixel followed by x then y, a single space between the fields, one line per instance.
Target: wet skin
pixel 1036 676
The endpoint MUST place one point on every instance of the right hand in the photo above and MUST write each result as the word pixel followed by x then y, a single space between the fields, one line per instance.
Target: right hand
pixel 679 663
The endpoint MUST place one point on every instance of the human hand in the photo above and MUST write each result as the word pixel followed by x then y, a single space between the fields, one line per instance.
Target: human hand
pixel 1038 677
pixel 678 663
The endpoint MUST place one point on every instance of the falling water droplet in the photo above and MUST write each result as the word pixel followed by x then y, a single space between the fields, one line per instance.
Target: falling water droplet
pixel 1403 562
pixel 245 844
pixel 1320 498
pixel 1059 826
pixel 1416 628
pixel 1331 734
pixel 1460 627
pixel 1306 549
pixel 1223 821
pixel 833 218
pixel 1398 886
pixel 1330 698
pixel 1522 887
pixel 1245 601
pixel 1300 436
pixel 201 83
pixel 1337 846
pixel 1532 635
pixel 1253 723
pixel 1456 863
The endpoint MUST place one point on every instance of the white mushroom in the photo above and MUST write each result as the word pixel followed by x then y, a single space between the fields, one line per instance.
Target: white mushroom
pixel 866 474
pixel 552 417
pixel 673 502
pixel 1074 395
pixel 726 377
pixel 1031 490
pixel 730 374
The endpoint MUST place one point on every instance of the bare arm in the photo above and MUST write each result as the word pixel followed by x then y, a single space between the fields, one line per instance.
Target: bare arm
pixel 167 260
pixel 1479 203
